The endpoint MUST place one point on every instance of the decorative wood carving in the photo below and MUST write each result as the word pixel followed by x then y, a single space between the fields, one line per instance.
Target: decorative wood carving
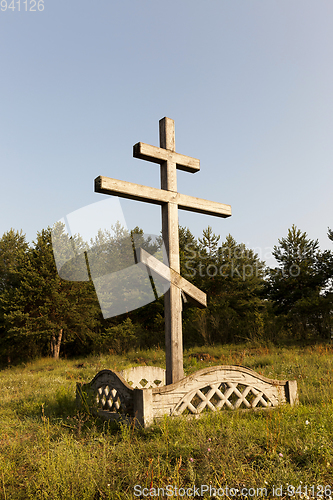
pixel 209 389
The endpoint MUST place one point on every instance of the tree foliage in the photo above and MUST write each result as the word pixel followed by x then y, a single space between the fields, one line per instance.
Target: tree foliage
pixel 43 310
pixel 232 276
pixel 330 234
pixel 297 285
pixel 45 313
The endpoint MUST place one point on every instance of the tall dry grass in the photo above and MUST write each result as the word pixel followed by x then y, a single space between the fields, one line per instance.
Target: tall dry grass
pixel 48 450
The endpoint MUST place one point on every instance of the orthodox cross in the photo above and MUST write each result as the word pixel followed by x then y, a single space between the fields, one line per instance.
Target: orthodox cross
pixel 170 201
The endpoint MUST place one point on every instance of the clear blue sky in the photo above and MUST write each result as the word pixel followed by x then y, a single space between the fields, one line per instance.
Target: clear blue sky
pixel 248 83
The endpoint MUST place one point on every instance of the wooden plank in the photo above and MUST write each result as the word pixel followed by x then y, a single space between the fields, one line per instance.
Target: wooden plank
pixel 201 206
pixel 160 155
pixel 131 190
pixel 170 234
pixel 196 296
pixel 167 398
pixel 167 134
pixel 156 196
pixel 173 335
pixel 170 200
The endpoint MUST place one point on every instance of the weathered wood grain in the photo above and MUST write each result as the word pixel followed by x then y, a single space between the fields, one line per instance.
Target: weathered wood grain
pixel 194 294
pixel 170 201
pixel 210 389
pixel 156 196
pixel 160 155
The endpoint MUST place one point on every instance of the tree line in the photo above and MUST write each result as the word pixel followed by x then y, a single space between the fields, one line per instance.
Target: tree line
pixel 43 314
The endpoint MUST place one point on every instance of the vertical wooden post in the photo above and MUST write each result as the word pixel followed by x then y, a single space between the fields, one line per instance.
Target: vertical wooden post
pixel 143 406
pixel 170 200
pixel 172 299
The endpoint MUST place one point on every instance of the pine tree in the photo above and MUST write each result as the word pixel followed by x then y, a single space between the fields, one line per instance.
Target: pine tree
pixel 209 242
pixel 13 255
pixel 330 234
pixel 296 287
pixel 45 311
pixel 232 277
pixel 13 249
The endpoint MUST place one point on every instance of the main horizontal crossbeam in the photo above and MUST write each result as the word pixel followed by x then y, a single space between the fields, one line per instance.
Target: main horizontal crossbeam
pixel 156 196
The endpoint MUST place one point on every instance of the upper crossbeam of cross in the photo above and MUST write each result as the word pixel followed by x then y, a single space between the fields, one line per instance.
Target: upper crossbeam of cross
pixel 169 161
pixel 171 201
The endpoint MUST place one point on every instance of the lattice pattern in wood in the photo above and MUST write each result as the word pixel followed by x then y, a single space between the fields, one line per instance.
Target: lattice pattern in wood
pixel 216 396
pixel 209 389
pixel 108 398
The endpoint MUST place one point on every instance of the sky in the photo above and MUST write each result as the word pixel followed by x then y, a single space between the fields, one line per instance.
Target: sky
pixel 248 83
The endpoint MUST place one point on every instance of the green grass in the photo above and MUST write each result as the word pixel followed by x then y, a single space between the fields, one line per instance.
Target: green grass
pixel 48 450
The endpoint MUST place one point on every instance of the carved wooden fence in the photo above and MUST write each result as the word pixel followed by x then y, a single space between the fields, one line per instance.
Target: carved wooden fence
pixel 209 389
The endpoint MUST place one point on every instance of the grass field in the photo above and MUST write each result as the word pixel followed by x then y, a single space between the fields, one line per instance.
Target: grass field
pixel 48 450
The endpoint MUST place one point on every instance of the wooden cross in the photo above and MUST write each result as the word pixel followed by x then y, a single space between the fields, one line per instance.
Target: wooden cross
pixel 170 200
